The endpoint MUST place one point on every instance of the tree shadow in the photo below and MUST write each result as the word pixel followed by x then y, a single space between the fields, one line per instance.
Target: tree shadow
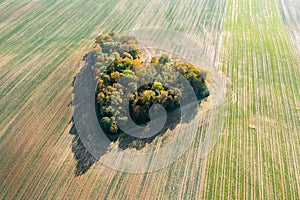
pixel 127 141
pixel 85 160
pixel 83 157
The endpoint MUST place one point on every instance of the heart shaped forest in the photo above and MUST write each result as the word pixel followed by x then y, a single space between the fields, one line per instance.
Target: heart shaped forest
pixel 135 87
pixel 129 86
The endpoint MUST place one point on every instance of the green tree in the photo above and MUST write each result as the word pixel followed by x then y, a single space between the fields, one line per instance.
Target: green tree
pixel 106 122
pixel 154 60
pixel 164 59
pixel 147 96
pixel 157 86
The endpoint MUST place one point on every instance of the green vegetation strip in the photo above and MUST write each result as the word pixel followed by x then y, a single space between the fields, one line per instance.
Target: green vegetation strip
pixel 258 156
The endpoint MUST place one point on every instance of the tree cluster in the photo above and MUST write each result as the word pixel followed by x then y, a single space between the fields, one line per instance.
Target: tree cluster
pixel 118 58
pixel 111 46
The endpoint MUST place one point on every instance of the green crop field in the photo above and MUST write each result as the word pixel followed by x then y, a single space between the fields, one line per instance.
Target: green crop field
pixel 258 155
pixel 255 44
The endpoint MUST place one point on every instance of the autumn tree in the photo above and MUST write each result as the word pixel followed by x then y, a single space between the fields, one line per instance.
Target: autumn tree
pixel 122 71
